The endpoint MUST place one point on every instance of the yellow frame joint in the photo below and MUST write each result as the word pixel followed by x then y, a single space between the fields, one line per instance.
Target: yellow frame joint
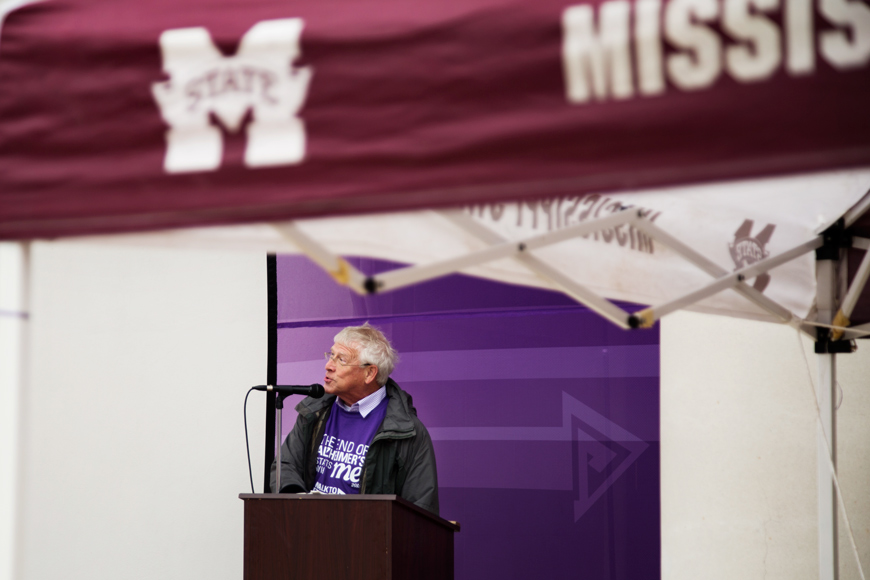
pixel 342 274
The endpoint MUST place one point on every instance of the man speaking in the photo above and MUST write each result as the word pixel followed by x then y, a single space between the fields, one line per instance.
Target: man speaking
pixel 364 435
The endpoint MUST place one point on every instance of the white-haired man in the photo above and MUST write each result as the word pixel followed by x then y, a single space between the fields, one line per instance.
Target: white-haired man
pixel 364 435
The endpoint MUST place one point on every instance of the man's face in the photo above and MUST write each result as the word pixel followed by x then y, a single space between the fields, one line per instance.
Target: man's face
pixel 349 381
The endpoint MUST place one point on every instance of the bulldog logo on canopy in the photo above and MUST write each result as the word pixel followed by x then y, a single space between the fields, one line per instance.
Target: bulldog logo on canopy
pixel 259 78
pixel 747 250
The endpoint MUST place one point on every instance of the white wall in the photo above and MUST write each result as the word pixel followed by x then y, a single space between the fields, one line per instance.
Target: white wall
pixel 853 449
pixel 132 449
pixel 739 495
pixel 13 337
pixel 132 437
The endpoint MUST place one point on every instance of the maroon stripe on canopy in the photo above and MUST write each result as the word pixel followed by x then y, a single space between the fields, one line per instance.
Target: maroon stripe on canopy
pixel 409 105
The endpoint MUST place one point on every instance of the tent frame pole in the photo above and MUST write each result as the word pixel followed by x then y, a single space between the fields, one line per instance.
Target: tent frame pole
pixel 402 277
pixel 833 240
pixel 843 316
pixel 714 270
pixel 336 266
pixel 734 280
pixel 578 292
pixel 826 278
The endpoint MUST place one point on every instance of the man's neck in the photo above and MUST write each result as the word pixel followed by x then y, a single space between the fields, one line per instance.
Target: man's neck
pixel 367 404
pixel 349 401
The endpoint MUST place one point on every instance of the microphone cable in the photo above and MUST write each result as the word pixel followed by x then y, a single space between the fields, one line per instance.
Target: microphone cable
pixel 247 445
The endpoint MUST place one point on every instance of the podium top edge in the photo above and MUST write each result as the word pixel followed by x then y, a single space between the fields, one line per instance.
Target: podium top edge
pixel 320 496
pixel 366 497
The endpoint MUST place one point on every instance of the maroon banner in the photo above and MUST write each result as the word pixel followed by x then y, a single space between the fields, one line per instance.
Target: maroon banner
pixel 121 115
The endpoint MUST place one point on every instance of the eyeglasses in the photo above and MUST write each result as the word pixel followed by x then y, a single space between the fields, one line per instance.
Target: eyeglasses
pixel 341 359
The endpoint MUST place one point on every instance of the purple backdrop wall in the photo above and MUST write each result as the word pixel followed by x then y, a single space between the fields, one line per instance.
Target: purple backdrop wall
pixel 545 418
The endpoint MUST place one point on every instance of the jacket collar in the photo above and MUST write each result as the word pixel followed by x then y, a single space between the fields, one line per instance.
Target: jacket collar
pixel 400 409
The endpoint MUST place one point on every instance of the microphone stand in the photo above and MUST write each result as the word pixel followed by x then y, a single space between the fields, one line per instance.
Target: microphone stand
pixel 281 393
pixel 279 410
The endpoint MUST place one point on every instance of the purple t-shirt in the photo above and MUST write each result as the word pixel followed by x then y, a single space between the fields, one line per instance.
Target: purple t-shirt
pixel 343 449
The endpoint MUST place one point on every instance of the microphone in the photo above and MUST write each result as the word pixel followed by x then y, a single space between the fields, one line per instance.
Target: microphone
pixel 315 390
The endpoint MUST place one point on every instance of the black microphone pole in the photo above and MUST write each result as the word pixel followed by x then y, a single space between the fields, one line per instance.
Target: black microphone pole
pixel 279 411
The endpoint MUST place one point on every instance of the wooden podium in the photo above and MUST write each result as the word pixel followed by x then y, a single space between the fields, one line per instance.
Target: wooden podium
pixel 352 537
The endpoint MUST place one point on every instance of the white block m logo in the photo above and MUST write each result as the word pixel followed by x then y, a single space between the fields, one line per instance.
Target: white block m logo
pixel 259 78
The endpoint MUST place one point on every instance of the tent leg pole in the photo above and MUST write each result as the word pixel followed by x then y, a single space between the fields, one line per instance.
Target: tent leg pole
pixel 14 296
pixel 828 557
pixel 827 428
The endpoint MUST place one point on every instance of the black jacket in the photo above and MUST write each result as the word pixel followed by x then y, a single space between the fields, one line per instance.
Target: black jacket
pixel 400 460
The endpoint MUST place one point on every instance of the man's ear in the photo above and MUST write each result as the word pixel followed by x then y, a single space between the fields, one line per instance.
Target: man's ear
pixel 371 373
